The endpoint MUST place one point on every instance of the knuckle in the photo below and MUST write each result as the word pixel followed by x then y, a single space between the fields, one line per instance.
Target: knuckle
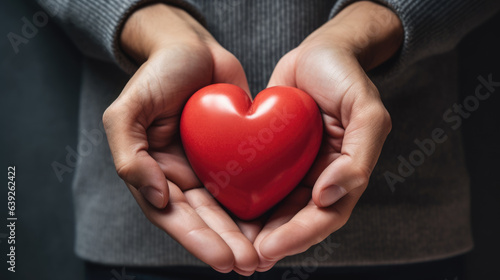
pixel 361 175
pixel 343 219
pixel 381 117
pixel 123 170
pixel 232 59
pixel 108 116
pixel 386 120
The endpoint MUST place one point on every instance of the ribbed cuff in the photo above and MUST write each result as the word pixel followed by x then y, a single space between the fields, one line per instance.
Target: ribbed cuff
pixel 430 27
pixel 121 58
pixel 96 27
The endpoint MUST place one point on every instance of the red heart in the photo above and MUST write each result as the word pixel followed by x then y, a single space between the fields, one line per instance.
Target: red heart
pixel 250 156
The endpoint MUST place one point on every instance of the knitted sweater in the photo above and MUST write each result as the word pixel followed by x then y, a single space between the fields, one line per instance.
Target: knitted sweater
pixel 416 206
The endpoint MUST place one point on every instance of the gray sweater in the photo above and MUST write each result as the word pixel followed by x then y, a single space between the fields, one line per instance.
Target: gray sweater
pixel 416 206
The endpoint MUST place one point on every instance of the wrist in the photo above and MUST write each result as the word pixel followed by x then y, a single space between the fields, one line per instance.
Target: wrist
pixel 157 26
pixel 370 32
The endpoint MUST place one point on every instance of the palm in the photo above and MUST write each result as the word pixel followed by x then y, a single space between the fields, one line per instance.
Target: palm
pixel 328 87
pixel 341 89
pixel 149 111
pixel 163 135
pixel 311 79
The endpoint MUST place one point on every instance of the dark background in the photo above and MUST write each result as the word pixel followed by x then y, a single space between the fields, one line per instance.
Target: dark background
pixel 39 91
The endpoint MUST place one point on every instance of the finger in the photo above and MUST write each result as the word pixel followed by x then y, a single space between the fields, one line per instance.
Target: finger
pixel 125 125
pixel 183 224
pixel 145 99
pixel 250 229
pixel 308 227
pixel 175 166
pixel 245 256
pixel 228 69
pixel 292 204
pixel 366 129
pixel 128 143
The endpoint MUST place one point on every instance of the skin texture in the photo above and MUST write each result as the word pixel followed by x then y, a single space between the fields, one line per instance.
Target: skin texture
pixel 178 57
pixel 330 65
pixel 142 126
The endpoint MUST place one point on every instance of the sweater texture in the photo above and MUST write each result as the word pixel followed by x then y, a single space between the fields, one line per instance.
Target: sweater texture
pixel 422 216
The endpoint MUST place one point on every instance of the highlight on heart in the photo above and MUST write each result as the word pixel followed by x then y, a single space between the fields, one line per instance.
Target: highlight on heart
pixel 250 155
pixel 249 148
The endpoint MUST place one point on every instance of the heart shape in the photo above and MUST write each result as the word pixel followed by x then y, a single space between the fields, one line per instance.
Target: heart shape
pixel 250 155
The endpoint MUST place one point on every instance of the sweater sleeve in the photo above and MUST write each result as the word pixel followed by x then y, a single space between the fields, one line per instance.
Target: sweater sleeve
pixel 431 27
pixel 95 25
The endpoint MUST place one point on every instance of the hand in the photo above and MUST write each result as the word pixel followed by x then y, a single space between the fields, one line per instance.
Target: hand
pixel 330 65
pixel 142 125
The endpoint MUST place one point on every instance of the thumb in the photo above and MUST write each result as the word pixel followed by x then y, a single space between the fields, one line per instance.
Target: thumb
pixel 366 130
pixel 339 178
pixel 128 143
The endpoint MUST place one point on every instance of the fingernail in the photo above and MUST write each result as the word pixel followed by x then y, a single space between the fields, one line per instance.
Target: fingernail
pixel 154 196
pixel 331 195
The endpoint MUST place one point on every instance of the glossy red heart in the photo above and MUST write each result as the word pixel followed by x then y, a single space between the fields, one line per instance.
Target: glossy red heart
pixel 250 155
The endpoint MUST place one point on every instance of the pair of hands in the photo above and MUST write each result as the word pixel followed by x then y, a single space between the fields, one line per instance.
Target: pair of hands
pixel 178 57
